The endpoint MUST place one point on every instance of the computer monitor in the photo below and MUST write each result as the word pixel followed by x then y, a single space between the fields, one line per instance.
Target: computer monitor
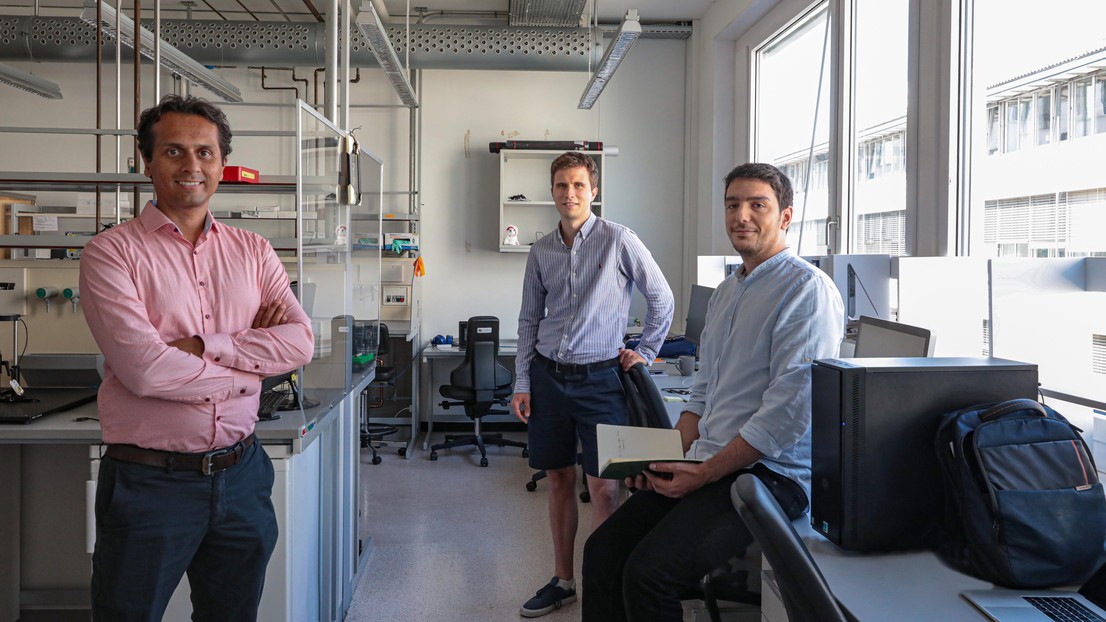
pixel 697 312
pixel 881 338
pixel 308 299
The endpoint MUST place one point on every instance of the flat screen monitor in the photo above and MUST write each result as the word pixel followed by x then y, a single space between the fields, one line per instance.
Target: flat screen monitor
pixel 697 312
pixel 883 338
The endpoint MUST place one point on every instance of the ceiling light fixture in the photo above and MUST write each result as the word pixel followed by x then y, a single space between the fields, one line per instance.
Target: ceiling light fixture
pixel 29 82
pixel 369 23
pixel 627 33
pixel 171 58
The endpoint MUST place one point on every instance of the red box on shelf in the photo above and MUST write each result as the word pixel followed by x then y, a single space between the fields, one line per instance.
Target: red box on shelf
pixel 241 174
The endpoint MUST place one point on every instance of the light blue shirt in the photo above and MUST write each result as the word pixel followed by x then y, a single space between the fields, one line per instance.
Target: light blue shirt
pixel 576 300
pixel 762 331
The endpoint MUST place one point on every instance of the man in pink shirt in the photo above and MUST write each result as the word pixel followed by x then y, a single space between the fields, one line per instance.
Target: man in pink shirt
pixel 190 315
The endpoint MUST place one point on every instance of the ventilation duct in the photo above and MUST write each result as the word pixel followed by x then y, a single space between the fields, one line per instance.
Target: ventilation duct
pixel 303 44
pixel 560 13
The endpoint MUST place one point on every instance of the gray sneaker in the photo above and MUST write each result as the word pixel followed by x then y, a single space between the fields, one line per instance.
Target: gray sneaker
pixel 548 598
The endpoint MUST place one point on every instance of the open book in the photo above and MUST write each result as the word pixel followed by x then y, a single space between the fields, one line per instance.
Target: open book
pixel 625 451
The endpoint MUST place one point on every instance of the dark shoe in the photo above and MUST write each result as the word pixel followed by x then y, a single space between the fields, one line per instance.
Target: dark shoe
pixel 547 599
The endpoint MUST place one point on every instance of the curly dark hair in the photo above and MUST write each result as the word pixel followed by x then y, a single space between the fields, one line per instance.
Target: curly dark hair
pixel 572 159
pixel 767 173
pixel 181 105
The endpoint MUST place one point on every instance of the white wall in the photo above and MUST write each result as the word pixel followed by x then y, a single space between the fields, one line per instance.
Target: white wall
pixel 642 112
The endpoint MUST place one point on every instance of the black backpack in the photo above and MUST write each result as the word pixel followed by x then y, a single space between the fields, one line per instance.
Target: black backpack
pixel 1023 504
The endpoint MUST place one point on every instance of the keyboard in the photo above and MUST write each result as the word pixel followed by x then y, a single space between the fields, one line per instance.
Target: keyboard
pixel 271 401
pixel 1063 609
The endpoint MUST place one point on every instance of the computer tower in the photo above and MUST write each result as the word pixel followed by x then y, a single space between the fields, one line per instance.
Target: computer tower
pixel 876 484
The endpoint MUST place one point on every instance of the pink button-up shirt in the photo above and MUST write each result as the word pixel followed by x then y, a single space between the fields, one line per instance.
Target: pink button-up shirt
pixel 143 285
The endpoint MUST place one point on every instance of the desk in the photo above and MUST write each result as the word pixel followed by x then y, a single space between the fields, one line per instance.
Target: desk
pixel 905 587
pixel 440 362
pixel 47 535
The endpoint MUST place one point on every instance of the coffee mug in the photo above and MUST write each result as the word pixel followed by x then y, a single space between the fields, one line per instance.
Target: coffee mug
pixel 686 365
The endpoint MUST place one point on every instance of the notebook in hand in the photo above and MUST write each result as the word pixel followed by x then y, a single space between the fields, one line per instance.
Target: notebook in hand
pixel 625 451
pixel 1034 606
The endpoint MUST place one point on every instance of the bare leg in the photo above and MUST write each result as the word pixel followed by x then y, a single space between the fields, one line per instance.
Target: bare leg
pixel 563 518
pixel 604 499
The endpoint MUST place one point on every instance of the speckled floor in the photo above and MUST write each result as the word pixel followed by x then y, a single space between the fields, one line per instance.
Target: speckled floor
pixel 454 541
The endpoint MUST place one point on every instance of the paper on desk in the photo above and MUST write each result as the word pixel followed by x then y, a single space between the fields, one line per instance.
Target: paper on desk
pixel 45 223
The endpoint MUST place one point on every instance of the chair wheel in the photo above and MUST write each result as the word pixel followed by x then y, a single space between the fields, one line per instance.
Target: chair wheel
pixel 433 455
pixel 376 459
pixel 402 451
pixel 531 486
pixel 525 453
pixel 585 496
pixel 483 462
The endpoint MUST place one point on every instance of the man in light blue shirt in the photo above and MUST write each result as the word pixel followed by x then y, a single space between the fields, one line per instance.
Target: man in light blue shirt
pixel 749 411
pixel 575 303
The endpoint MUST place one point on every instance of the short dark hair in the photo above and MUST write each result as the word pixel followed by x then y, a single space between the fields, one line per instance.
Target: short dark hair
pixel 181 105
pixel 767 173
pixel 572 159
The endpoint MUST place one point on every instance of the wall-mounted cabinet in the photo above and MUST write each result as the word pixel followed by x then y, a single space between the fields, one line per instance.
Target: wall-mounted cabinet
pixel 525 198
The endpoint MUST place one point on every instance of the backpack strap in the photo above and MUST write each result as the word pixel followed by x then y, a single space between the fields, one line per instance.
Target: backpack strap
pixel 1012 406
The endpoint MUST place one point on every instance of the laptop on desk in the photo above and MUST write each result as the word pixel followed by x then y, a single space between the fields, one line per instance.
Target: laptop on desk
pixel 1034 606
pixel 55 383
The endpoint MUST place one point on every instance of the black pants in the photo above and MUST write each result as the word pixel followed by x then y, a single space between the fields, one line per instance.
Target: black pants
pixel 655 548
pixel 154 526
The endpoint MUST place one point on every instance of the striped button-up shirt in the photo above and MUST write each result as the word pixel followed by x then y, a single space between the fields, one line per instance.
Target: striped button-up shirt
pixel 144 285
pixel 576 300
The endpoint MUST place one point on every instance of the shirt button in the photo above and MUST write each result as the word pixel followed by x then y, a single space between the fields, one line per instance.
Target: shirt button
pixel 207 316
pixel 241 390
pixel 207 399
pixel 257 367
pixel 201 283
pixel 217 359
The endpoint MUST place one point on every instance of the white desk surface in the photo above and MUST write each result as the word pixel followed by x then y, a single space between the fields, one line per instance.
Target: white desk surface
pixel 904 587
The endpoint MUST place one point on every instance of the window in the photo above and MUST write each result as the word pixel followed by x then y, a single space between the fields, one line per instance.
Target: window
pixel 1049 105
pixel 877 215
pixel 791 121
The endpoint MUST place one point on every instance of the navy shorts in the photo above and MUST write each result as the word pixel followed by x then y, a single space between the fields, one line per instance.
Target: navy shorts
pixel 566 406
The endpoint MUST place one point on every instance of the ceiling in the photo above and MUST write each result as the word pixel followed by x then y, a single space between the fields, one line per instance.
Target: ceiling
pixel 435 11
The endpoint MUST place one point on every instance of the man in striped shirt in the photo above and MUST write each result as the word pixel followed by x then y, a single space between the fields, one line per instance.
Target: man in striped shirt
pixel 575 304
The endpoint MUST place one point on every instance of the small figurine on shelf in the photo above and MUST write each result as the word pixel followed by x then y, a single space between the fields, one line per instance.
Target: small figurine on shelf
pixel 512 236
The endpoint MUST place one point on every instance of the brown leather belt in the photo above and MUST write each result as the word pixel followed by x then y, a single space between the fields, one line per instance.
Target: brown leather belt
pixel 206 463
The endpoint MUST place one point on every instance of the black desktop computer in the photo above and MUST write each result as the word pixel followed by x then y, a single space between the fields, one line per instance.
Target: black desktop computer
pixel 876 484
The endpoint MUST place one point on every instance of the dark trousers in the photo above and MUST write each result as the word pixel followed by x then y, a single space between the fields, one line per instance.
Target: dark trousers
pixel 153 526
pixel 654 549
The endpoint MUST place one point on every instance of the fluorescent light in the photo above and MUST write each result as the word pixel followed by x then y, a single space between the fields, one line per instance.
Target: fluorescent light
pixel 29 82
pixel 171 58
pixel 627 33
pixel 369 24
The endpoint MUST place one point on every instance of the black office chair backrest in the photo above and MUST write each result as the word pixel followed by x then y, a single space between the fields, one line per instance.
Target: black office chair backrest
pixel 643 399
pixel 806 595
pixel 481 372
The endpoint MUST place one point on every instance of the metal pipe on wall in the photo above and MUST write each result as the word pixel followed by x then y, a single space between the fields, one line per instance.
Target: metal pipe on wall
pixel 330 93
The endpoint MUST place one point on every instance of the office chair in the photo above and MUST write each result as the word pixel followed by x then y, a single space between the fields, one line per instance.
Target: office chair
pixel 478 383
pixel 806 595
pixel 377 338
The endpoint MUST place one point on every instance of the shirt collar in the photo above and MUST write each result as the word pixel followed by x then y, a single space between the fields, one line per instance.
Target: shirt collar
pixel 153 219
pixel 585 230
pixel 764 266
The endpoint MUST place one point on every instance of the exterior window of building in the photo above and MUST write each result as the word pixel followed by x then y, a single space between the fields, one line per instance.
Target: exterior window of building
pixel 1100 103
pixel 1044 117
pixel 789 110
pixel 1063 106
pixel 1084 97
pixel 1037 186
pixel 993 125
